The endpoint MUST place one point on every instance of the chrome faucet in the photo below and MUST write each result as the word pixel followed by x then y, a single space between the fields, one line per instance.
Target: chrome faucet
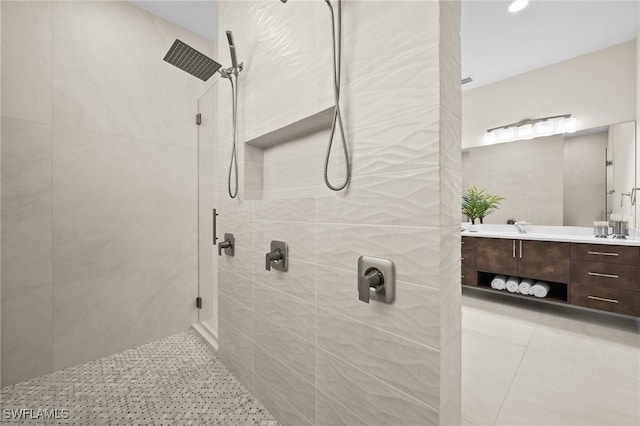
pixel 520 226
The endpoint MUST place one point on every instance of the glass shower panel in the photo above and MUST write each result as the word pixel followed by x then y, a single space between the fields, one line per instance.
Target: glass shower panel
pixel 207 192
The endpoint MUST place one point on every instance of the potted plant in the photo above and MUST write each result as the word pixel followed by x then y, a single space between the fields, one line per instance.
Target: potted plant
pixel 478 204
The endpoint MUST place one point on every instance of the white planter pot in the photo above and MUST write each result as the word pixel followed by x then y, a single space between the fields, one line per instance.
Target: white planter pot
pixel 474 228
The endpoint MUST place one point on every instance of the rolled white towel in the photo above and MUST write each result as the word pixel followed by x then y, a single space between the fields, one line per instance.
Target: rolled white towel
pixel 499 282
pixel 525 286
pixel 512 284
pixel 540 289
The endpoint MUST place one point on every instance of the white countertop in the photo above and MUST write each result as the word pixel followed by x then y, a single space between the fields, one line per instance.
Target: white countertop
pixel 566 234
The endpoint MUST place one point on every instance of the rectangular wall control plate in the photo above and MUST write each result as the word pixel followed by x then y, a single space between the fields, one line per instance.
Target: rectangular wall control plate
pixel 388 293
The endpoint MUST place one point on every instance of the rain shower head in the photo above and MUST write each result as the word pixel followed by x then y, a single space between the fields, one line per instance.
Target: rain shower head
pixel 190 60
pixel 232 48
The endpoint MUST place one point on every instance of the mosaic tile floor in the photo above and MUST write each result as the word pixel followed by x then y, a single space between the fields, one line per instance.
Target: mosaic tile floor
pixel 174 381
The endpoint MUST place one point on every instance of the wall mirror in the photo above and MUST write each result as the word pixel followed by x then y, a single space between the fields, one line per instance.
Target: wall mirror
pixel 572 179
pixel 564 178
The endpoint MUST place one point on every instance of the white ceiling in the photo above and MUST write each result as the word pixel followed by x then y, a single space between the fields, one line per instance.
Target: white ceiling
pixel 497 44
pixel 201 17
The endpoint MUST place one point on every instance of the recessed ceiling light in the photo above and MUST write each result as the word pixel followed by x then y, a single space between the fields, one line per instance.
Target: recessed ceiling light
pixel 518 5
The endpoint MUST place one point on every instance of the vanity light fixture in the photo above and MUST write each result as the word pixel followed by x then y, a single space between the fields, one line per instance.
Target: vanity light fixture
pixel 518 5
pixel 531 128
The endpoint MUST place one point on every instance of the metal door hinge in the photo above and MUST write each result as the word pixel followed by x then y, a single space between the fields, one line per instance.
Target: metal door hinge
pixel 198 119
pixel 199 302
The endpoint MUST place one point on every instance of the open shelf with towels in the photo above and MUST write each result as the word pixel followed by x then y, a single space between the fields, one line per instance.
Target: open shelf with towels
pixel 558 292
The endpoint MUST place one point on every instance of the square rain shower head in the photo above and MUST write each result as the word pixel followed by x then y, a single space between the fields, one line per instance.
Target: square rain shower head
pixel 190 60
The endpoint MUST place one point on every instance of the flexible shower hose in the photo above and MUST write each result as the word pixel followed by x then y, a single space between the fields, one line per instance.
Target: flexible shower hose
pixel 337 114
pixel 233 164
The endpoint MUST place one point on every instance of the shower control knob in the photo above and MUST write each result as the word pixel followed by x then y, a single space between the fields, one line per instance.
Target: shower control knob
pixel 376 279
pixel 228 245
pixel 371 280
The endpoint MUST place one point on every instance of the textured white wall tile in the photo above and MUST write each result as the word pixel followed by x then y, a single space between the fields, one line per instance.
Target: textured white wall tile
pixel 300 237
pixel 236 350
pixel 26 60
pixel 26 333
pixel 26 204
pixel 300 210
pixel 236 313
pixel 288 312
pixel 369 398
pixel 278 405
pixel 415 251
pixel 296 353
pixel 298 391
pixel 330 412
pixel 414 314
pixel 237 287
pixel 299 280
pixel 397 361
pixel 408 198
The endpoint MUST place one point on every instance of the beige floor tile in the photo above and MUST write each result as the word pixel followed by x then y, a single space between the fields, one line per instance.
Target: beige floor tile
pixel 550 390
pixel 488 367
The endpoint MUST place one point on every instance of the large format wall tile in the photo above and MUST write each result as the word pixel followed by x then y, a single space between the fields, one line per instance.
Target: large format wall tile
pixel 121 205
pixel 415 251
pixel 397 361
pixel 26 333
pixel 401 198
pixel 414 314
pixel 26 60
pixel 100 85
pixel 330 412
pixel 158 302
pixel 297 354
pixel 369 398
pixel 278 405
pixel 26 204
pixel 289 312
pixel 298 391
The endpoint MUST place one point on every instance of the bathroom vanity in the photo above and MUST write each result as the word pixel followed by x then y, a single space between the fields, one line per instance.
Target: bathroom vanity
pixel 581 270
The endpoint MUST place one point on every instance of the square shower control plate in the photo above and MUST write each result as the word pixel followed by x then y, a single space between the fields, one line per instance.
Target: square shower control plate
pixel 387 268
pixel 282 264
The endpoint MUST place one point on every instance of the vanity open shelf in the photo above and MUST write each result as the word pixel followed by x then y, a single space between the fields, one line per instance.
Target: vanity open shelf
pixel 592 275
pixel 558 292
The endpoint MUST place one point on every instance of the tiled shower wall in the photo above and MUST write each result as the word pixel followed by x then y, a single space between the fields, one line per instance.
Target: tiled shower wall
pixel 99 183
pixel 301 340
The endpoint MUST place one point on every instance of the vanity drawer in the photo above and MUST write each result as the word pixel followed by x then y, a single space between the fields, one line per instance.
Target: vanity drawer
pixel 605 298
pixel 605 253
pixel 608 275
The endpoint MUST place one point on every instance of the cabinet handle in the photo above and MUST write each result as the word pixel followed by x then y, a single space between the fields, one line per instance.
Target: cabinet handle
pixel 602 299
pixel 514 248
pixel 520 249
pixel 603 253
pixel 597 274
pixel 462 242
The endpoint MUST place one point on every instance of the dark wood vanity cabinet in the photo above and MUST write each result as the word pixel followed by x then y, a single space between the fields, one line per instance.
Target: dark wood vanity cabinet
pixel 468 259
pixel 597 276
pixel 540 260
pixel 605 277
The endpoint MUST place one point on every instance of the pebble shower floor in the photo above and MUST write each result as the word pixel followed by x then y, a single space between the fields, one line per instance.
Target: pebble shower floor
pixel 174 381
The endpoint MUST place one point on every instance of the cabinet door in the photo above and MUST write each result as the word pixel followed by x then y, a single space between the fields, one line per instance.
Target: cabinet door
pixel 543 260
pixel 496 255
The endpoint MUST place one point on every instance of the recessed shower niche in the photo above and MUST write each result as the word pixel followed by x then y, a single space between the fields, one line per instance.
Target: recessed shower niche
pixel 288 162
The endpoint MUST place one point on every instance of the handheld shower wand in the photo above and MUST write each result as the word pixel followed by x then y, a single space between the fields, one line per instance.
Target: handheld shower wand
pixel 336 32
pixel 230 73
